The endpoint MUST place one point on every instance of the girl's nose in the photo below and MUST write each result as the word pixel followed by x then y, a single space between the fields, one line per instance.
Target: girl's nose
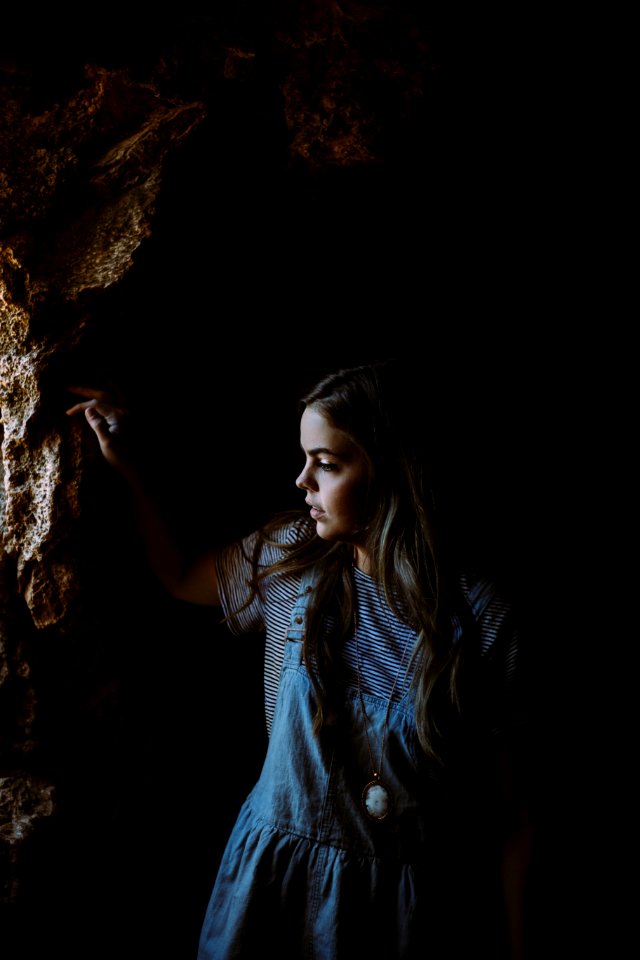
pixel 304 480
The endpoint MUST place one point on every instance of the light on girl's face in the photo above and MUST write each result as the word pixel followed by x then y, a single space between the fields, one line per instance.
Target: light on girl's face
pixel 333 478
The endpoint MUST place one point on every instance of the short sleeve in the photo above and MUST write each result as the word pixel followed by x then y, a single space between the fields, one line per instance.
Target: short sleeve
pixel 502 669
pixel 234 568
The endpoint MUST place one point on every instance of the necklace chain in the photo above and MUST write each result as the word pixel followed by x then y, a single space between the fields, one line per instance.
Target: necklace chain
pixel 377 769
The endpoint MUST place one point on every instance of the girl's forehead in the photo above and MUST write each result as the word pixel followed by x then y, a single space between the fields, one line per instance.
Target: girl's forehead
pixel 314 419
pixel 318 432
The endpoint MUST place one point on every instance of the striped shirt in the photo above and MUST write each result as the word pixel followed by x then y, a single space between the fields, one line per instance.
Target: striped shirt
pixel 382 644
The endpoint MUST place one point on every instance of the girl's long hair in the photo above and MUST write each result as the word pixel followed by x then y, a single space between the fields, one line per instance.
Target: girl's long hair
pixel 379 409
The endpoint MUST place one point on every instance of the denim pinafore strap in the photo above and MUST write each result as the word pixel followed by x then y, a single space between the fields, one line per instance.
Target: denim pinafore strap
pixel 305 874
pixel 298 617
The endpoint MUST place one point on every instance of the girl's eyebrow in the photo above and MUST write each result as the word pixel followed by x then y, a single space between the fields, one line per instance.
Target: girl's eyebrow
pixel 316 450
pixel 344 456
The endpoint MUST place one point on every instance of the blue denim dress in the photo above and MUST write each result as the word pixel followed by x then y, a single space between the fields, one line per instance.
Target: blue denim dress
pixel 306 874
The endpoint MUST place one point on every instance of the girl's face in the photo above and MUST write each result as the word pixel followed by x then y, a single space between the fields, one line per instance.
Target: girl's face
pixel 334 479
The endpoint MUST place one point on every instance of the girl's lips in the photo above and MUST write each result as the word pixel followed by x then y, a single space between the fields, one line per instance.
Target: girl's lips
pixel 316 513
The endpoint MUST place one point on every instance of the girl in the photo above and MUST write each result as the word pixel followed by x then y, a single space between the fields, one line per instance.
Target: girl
pixel 388 817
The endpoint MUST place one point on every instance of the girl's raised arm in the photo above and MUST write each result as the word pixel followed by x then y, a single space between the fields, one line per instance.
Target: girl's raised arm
pixel 190 579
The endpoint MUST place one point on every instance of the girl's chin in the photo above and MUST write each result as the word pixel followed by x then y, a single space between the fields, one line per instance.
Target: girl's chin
pixel 326 532
pixel 322 531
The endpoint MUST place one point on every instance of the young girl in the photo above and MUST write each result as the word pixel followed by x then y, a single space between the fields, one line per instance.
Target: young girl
pixel 388 818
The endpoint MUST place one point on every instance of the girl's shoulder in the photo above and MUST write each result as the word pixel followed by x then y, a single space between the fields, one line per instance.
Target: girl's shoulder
pixel 481 592
pixel 491 609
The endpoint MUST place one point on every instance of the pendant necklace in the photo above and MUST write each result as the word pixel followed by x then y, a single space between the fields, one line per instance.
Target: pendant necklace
pixel 377 799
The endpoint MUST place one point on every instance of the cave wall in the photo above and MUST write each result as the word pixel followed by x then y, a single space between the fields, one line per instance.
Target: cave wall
pixel 205 211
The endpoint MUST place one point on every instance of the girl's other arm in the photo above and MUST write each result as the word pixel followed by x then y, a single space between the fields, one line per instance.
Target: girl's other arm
pixel 517 851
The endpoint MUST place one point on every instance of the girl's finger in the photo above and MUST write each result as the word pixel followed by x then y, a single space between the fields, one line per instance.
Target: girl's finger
pixel 79 407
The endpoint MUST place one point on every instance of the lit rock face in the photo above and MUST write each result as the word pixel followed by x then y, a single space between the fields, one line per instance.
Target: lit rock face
pixel 79 184
pixel 89 248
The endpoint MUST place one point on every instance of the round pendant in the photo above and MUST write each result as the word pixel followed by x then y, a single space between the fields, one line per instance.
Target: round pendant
pixel 376 800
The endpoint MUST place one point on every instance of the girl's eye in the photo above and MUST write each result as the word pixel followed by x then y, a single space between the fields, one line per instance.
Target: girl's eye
pixel 327 467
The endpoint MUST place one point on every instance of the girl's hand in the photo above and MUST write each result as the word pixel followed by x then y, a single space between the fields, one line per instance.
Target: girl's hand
pixel 107 420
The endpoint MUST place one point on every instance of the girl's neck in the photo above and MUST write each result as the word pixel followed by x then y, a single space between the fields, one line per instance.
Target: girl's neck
pixel 361 559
